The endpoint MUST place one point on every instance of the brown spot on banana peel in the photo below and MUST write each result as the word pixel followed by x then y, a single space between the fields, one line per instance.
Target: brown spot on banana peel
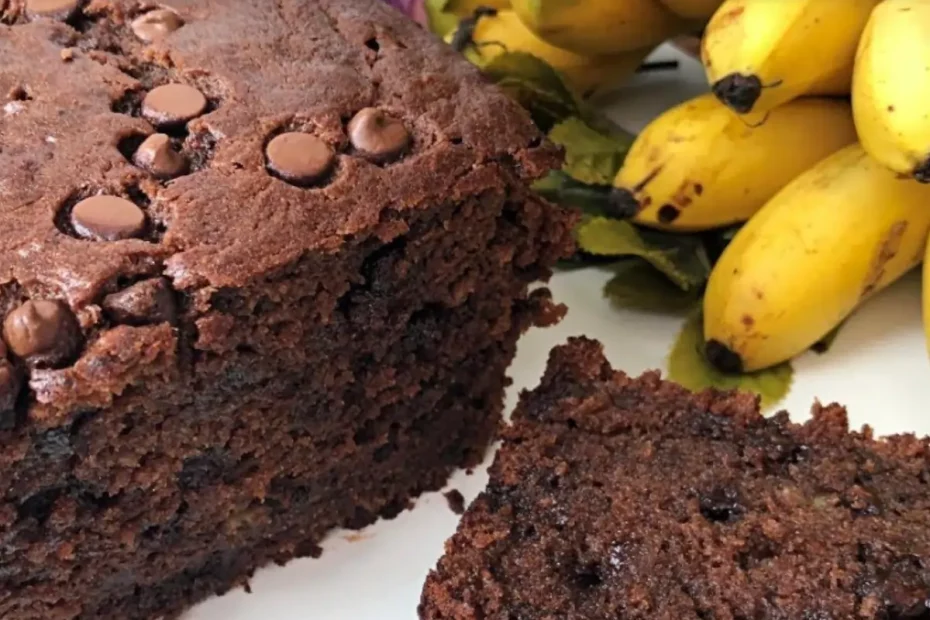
pixel 887 250
pixel 698 189
pixel 668 213
pixel 747 321
pixel 647 179
pixel 681 198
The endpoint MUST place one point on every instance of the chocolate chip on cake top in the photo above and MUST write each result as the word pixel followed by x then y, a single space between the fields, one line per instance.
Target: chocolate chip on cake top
pixel 172 105
pixel 299 158
pixel 42 331
pixel 158 156
pixel 377 135
pixel 107 218
pixel 156 24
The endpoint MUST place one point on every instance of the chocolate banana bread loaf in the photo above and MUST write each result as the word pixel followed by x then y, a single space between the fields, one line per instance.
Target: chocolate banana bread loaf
pixel 619 498
pixel 263 267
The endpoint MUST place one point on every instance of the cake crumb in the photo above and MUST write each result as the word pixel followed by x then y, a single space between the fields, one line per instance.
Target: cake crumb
pixel 456 501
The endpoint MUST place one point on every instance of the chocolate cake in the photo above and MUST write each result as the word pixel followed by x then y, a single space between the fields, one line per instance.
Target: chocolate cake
pixel 620 498
pixel 263 267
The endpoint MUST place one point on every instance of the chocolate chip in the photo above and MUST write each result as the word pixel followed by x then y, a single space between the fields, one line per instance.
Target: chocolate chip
pixel 157 155
pixel 42 332
pixel 154 25
pixel 299 158
pixel 172 105
pixel 52 9
pixel 378 136
pixel 145 302
pixel 107 218
pixel 11 381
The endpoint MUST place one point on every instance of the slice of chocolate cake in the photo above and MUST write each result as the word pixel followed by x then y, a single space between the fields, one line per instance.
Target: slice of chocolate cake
pixel 629 498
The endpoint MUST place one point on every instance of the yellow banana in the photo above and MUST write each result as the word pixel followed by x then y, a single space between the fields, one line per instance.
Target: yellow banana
pixel 504 32
pixel 692 9
pixel 700 166
pixel 599 27
pixel 891 87
pixel 926 297
pixel 833 237
pixel 759 54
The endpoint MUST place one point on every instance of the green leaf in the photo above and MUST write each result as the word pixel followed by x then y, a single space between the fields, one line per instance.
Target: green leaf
pixel 537 86
pixel 637 285
pixel 561 189
pixel 687 366
pixel 591 156
pixel 681 258
pixel 441 22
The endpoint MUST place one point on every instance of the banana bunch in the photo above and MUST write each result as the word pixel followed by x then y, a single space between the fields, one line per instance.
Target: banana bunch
pixel 593 44
pixel 827 228
pixel 502 31
pixel 699 166
pixel 832 238
pixel 596 27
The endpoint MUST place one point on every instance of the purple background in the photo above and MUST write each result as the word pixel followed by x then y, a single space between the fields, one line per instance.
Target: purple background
pixel 413 8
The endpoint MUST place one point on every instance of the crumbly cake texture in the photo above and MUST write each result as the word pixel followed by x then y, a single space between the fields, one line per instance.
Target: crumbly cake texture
pixel 615 497
pixel 264 266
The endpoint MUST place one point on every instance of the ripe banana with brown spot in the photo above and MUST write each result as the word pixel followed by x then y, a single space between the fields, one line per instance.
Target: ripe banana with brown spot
pixel 759 54
pixel 831 239
pixel 700 166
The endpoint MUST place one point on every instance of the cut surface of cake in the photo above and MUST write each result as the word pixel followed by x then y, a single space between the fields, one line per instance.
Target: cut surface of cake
pixel 264 267
pixel 622 498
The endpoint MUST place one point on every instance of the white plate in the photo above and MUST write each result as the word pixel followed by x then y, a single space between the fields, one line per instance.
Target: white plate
pixel 877 367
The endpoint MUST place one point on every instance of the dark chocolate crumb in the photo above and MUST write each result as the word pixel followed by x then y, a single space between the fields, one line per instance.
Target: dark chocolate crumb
pixel 456 501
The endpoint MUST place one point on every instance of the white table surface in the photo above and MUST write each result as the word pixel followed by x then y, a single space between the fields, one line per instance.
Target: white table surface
pixel 877 367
